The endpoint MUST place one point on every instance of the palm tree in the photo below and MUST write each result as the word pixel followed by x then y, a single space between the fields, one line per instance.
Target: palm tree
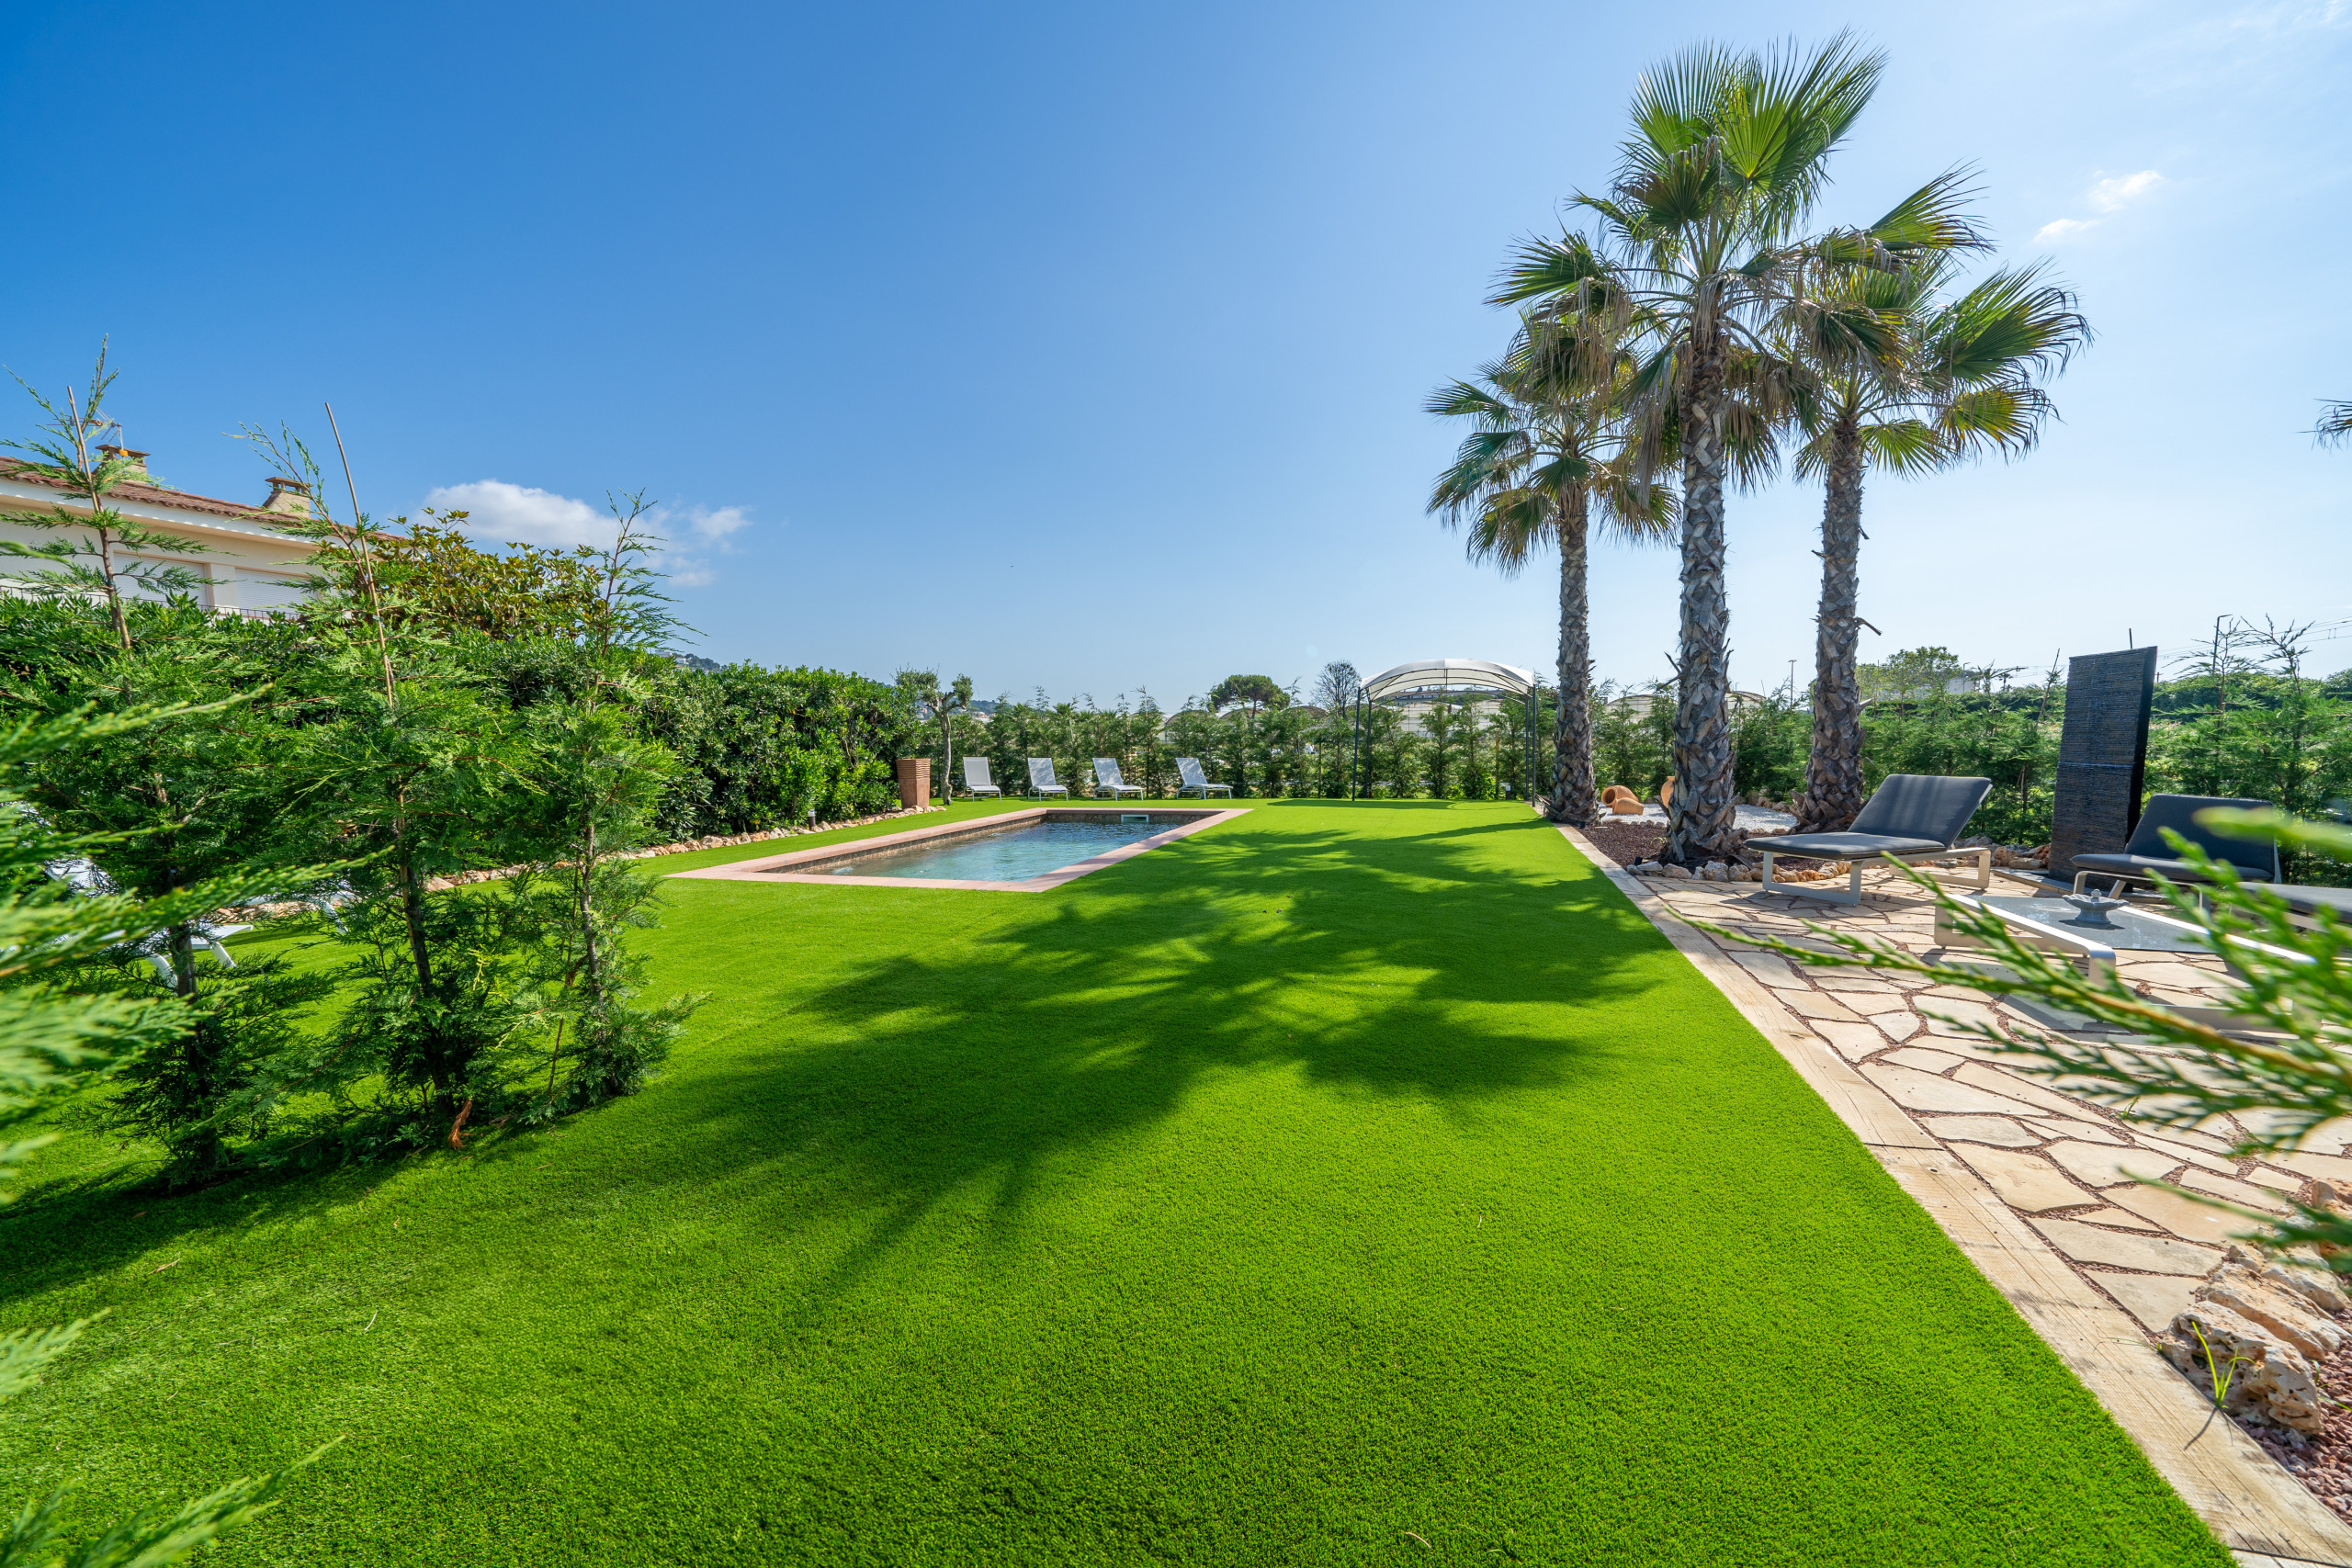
pixel 1701 250
pixel 2335 422
pixel 1905 381
pixel 1546 460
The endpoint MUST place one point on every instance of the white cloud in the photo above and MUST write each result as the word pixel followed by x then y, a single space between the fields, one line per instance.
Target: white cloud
pixel 2112 195
pixel 500 513
pixel 2108 195
pixel 714 524
pixel 505 514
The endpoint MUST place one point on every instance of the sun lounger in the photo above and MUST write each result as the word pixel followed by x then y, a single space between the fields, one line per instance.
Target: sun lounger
pixel 1041 777
pixel 2305 905
pixel 1909 817
pixel 1189 769
pixel 976 780
pixel 2147 856
pixel 1107 779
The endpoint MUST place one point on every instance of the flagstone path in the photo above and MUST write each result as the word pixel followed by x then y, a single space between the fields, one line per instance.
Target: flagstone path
pixel 2044 1192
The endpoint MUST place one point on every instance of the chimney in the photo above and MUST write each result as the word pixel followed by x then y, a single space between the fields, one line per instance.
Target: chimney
pixel 138 474
pixel 289 497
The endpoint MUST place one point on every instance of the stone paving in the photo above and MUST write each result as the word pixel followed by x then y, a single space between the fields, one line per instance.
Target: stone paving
pixel 2043 1192
pixel 2065 1166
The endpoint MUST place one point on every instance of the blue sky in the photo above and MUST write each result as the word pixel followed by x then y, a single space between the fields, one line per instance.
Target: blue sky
pixel 1083 346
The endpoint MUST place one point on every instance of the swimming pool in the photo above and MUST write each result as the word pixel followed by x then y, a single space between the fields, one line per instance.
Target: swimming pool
pixel 1013 854
pixel 1027 850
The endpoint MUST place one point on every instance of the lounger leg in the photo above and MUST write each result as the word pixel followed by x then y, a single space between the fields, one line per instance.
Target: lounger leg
pixel 1813 890
pixel 1984 870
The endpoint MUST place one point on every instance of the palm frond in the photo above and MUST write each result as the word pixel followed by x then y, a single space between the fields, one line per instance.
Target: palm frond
pixel 2335 425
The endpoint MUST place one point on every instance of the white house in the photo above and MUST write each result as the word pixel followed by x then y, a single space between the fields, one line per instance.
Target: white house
pixel 241 555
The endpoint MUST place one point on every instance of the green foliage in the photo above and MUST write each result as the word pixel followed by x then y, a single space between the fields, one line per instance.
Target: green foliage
pixel 1253 691
pixel 1632 738
pixel 759 748
pixel 528 591
pixel 98 556
pixel 1769 742
pixel 1917 674
pixel 151 1538
pixel 602 784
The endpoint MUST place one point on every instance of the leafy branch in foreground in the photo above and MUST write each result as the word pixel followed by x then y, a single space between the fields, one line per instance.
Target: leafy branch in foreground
pixel 67 454
pixel 150 1537
pixel 2284 1053
pixel 52 1041
pixel 51 1034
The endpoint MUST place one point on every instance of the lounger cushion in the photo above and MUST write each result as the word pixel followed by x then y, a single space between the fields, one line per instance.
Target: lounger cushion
pixel 2178 813
pixel 2309 900
pixel 1919 805
pixel 1843 846
pixel 2139 865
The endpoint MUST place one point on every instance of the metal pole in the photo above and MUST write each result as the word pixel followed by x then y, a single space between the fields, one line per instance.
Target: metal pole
pixel 1355 759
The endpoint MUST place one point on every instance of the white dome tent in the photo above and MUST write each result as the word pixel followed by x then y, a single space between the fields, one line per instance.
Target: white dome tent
pixel 1427 679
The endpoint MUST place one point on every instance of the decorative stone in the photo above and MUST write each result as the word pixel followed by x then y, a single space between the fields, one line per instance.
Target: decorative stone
pixel 1770 968
pixel 1815 1004
pixel 2239 1192
pixel 1924 1091
pixel 2149 1254
pixel 1925 1060
pixel 2292 1318
pixel 1995 1081
pixel 2270 1381
pixel 2189 1154
pixel 1900 1025
pixel 1853 1040
pixel 2022 1181
pixel 2316 1285
pixel 2276 1179
pixel 2090 1131
pixel 2182 1216
pixel 2331 1167
pixel 2123 1219
pixel 2154 1299
pixel 2101 1164
pixel 1996 1130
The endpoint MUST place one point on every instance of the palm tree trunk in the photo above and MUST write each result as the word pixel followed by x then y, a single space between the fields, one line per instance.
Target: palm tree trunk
pixel 1833 778
pixel 1703 819
pixel 1573 788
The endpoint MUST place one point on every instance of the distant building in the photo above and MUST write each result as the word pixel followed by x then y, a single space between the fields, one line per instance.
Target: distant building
pixel 247 564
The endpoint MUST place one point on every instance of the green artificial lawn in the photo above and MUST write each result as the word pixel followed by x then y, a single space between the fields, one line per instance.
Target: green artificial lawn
pixel 1340 1185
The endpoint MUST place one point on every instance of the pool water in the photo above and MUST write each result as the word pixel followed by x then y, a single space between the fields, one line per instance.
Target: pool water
pixel 991 854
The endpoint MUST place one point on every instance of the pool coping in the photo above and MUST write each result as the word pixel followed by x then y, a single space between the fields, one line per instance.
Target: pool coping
pixel 768 868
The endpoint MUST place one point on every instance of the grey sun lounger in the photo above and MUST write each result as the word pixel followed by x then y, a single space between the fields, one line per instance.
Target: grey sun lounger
pixel 1107 779
pixel 1041 777
pixel 1189 769
pixel 2305 905
pixel 2147 856
pixel 976 780
pixel 1909 817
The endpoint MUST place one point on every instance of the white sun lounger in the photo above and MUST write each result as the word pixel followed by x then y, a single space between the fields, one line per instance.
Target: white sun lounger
pixel 1107 779
pixel 1041 777
pixel 1189 768
pixel 976 780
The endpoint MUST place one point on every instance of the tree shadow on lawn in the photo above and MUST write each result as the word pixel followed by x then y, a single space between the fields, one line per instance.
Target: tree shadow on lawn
pixel 1419 968
pixel 1448 965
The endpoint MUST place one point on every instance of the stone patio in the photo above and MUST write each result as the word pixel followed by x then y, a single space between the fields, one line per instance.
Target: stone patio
pixel 2040 1189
